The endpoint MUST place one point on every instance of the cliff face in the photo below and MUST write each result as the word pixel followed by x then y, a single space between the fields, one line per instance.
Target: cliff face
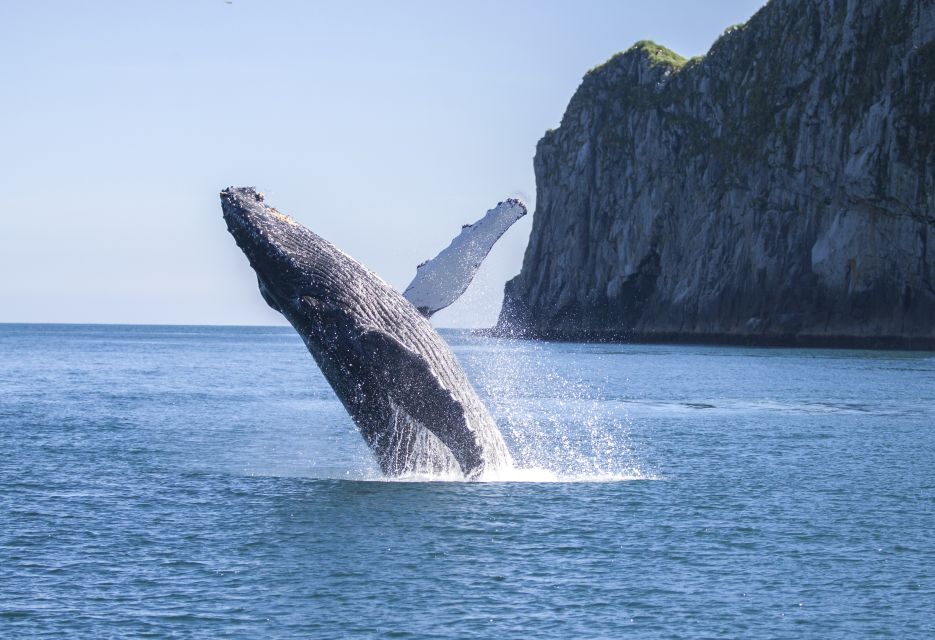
pixel 781 189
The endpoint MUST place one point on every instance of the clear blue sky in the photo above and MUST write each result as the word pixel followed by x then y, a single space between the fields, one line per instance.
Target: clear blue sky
pixel 381 126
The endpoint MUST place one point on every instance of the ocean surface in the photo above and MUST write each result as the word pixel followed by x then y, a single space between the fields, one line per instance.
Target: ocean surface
pixel 205 482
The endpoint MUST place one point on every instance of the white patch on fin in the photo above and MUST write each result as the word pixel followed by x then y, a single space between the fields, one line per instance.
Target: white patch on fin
pixel 441 280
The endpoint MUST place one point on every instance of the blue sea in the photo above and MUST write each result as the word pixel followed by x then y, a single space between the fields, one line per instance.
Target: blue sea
pixel 204 482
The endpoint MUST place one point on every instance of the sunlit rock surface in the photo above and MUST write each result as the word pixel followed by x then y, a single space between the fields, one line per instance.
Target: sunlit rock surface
pixel 781 189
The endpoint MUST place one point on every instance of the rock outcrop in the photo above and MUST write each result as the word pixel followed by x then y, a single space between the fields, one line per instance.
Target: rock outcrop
pixel 778 190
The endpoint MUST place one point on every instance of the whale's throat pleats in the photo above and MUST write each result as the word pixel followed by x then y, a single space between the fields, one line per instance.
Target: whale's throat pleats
pixel 410 448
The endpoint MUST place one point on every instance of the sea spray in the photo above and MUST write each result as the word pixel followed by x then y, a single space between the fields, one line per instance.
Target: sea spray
pixel 571 434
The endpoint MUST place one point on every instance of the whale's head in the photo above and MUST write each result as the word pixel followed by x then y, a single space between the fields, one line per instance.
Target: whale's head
pixel 300 274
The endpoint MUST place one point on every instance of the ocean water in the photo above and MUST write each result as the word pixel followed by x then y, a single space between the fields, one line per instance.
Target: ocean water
pixel 204 482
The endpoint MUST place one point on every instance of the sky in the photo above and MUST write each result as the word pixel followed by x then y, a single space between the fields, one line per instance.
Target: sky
pixel 381 126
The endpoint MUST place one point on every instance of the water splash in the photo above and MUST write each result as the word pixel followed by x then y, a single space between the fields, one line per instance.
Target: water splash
pixel 559 423
pixel 558 428
pixel 529 475
pixel 518 475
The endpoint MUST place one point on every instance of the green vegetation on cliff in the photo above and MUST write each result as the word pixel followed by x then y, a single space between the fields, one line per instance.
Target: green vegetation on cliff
pixel 655 53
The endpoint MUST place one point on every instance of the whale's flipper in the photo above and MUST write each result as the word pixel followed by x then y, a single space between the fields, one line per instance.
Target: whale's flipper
pixel 441 280
pixel 414 387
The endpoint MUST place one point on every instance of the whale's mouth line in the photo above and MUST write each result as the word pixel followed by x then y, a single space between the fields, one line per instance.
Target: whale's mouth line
pixel 256 237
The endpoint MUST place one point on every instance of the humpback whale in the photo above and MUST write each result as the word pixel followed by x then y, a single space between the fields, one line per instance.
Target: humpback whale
pixel 394 374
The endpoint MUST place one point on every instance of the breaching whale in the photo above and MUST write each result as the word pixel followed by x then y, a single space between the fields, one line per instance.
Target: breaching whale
pixel 395 375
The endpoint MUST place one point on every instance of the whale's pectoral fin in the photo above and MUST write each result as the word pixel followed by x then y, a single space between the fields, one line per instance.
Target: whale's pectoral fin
pixel 413 386
pixel 441 280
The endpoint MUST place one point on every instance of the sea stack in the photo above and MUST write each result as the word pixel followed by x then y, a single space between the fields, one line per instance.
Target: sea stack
pixel 778 190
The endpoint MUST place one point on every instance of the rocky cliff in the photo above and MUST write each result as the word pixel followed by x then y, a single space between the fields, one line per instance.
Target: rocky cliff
pixel 778 190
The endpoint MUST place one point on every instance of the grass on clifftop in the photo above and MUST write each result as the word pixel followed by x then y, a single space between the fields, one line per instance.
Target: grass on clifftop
pixel 656 53
pixel 659 55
